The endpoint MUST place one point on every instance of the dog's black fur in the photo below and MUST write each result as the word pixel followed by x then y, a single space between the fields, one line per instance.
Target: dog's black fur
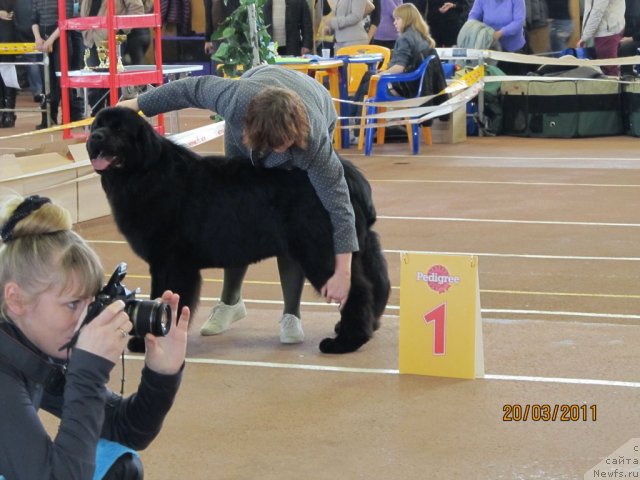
pixel 181 213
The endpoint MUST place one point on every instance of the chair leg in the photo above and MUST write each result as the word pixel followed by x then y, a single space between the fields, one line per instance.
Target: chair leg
pixel 362 129
pixel 381 130
pixel 415 133
pixel 426 132
pixel 369 133
pixel 410 138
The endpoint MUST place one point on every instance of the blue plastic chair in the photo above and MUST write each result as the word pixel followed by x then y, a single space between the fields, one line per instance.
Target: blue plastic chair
pixel 381 94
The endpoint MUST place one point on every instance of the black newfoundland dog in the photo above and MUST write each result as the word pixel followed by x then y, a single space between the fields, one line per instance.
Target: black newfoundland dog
pixel 182 212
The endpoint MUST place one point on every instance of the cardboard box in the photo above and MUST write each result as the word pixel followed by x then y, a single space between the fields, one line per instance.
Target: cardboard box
pixel 47 174
pixel 453 131
pixel 92 201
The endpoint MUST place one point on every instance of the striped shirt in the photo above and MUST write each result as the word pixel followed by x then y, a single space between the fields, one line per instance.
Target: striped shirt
pixel 45 14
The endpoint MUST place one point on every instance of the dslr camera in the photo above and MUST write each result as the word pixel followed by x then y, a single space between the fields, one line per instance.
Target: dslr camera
pixel 147 316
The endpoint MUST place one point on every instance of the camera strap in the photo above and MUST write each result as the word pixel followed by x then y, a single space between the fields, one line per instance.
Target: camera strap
pixel 33 366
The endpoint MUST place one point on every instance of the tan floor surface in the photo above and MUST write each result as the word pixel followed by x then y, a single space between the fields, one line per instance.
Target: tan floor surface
pixel 555 225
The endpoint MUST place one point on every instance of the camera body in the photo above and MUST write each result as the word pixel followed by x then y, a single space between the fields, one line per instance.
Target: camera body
pixel 147 316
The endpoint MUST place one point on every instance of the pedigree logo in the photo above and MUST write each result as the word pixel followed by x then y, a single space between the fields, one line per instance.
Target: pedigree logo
pixel 438 278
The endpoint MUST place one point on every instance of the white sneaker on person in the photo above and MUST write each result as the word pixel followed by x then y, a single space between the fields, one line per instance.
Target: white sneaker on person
pixel 291 329
pixel 221 316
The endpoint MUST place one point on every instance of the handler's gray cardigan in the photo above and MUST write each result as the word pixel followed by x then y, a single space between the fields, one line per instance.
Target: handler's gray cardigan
pixel 230 98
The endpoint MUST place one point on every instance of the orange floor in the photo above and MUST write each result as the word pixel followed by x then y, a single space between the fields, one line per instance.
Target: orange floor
pixel 555 226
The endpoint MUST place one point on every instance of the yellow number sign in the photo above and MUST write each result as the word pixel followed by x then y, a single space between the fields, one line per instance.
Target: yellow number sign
pixel 440 322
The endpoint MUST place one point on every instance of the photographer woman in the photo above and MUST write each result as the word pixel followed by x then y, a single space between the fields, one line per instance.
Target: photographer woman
pixel 48 275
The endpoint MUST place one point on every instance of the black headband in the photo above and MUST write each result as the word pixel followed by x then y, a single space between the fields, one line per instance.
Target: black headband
pixel 28 205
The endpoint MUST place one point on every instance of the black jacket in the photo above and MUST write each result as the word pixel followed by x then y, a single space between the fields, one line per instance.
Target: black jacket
pixel 86 408
pixel 298 25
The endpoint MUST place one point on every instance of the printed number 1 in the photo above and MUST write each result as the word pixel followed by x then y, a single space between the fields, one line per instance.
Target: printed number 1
pixel 437 316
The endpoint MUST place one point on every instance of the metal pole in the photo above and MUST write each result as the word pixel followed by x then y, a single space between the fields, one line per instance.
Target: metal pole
pixel 253 34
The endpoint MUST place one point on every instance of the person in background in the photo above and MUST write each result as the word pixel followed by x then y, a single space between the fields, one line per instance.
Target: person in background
pixel 48 276
pixel 630 43
pixel 44 24
pixel 215 11
pixel 537 26
pixel 7 34
pixel 277 118
pixel 422 6
pixel 604 24
pixel 413 45
pixel 507 19
pixel 324 38
pixel 560 24
pixel 347 24
pixel 22 17
pixel 138 41
pixel 384 33
pixel 445 19
pixel 289 24
pixel 98 97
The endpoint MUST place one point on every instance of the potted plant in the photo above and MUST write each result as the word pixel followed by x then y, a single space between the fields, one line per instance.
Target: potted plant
pixel 235 50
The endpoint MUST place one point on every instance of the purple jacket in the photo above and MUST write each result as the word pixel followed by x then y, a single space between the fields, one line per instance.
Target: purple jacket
pixel 505 15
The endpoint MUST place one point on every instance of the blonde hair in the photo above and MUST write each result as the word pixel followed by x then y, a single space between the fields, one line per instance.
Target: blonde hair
pixel 410 16
pixel 41 251
pixel 275 117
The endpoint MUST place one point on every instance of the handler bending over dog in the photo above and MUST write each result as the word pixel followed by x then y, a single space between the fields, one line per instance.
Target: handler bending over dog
pixel 279 118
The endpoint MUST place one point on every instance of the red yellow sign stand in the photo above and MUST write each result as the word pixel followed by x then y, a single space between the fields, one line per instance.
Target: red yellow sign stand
pixel 440 321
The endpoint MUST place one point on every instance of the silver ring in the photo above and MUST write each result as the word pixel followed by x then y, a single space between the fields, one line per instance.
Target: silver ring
pixel 123 332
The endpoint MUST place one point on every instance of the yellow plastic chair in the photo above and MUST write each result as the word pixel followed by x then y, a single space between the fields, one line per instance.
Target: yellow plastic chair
pixel 357 70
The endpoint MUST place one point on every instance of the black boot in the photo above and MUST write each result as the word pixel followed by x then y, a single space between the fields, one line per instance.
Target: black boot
pixel 43 106
pixel 9 118
pixel 3 103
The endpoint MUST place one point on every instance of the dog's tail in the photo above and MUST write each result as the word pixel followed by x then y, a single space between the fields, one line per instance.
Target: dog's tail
pixel 377 271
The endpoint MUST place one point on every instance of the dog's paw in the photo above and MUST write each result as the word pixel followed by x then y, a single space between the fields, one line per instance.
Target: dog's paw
pixel 336 328
pixel 136 345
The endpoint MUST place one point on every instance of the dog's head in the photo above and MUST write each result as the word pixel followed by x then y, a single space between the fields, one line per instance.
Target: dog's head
pixel 121 139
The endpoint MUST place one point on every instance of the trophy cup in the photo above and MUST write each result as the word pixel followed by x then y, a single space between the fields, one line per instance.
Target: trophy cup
pixel 102 48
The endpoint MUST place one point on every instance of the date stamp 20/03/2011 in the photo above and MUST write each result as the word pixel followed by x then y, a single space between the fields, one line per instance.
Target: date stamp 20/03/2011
pixel 544 412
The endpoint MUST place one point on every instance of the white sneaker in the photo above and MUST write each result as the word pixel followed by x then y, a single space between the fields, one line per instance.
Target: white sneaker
pixel 291 329
pixel 221 316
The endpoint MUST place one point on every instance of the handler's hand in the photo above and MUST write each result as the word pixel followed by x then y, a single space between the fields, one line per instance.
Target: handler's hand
pixel 105 335
pixel 166 355
pixel 337 287
pixel 131 103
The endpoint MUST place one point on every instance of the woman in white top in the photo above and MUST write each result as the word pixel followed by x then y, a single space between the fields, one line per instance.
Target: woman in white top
pixel 347 23
pixel 603 21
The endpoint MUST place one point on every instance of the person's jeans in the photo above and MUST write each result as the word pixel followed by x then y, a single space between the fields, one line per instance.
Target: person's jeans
pixel 607 47
pixel 559 33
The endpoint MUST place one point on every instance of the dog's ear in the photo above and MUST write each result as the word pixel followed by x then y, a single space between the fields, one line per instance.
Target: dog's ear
pixel 149 142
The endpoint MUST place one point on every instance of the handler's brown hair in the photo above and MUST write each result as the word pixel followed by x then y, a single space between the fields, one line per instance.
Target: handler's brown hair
pixel 275 117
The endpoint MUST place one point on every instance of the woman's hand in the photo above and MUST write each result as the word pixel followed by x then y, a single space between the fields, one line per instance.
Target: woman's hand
pixel 4 15
pixel 107 334
pixel 337 287
pixel 132 103
pixel 166 355
pixel 446 7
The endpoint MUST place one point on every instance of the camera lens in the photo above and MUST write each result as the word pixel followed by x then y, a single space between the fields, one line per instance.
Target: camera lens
pixel 148 316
